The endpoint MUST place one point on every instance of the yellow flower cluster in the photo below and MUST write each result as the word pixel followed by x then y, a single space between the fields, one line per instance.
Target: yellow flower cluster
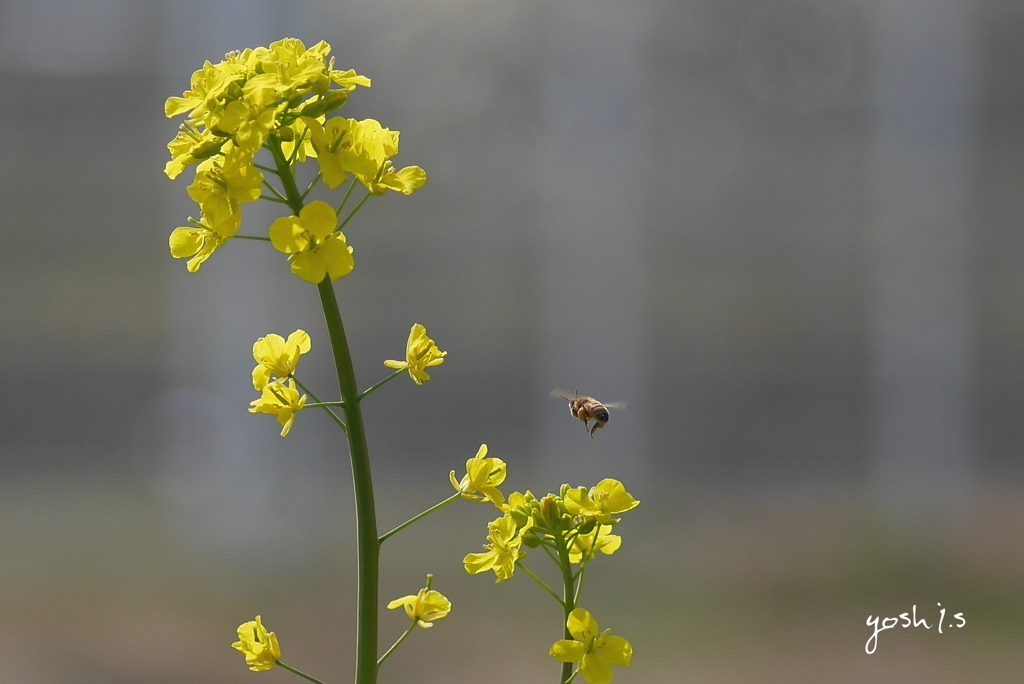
pixel 276 96
pixel 276 360
pixel 577 522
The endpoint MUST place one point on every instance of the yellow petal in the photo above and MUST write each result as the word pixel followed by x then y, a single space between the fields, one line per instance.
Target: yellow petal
pixel 319 219
pixel 566 651
pixel 185 242
pixel 617 650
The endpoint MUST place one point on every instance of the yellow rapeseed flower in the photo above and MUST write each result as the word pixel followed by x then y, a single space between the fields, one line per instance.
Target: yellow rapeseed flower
pixel 586 546
pixel 259 646
pixel 317 249
pixel 425 607
pixel 220 219
pixel 502 552
pixel 276 356
pixel 280 398
pixel 483 475
pixel 604 500
pixel 595 651
pixel 420 354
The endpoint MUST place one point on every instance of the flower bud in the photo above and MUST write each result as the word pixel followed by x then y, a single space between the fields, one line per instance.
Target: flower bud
pixel 531 540
pixel 325 105
pixel 520 516
pixel 587 526
pixel 549 511
pixel 207 149
pixel 286 134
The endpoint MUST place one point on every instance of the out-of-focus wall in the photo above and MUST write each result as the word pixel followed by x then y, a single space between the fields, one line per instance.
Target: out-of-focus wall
pixel 143 503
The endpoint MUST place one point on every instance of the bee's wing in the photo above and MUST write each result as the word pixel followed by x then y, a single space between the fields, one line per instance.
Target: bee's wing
pixel 562 394
pixel 616 405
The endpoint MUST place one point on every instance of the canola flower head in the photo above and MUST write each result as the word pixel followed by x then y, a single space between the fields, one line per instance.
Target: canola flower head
pixel 594 651
pixel 316 248
pixel 420 353
pixel 275 355
pixel 280 398
pixel 259 646
pixel 483 475
pixel 426 606
pixel 506 538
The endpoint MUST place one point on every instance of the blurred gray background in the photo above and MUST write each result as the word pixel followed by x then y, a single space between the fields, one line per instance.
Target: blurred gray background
pixel 787 234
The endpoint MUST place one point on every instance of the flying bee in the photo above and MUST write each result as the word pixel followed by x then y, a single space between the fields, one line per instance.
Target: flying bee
pixel 588 409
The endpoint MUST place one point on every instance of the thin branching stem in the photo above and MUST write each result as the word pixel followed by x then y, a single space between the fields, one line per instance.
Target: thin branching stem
pixel 301 674
pixel 394 375
pixel 542 583
pixel 410 521
pixel 407 632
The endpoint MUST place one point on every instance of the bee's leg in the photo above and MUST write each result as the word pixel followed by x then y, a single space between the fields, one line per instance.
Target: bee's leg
pixel 594 429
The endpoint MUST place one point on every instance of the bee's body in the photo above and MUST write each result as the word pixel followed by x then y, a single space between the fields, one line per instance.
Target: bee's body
pixel 588 409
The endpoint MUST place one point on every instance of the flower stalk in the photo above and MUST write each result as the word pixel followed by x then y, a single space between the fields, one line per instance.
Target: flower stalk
pixel 367 544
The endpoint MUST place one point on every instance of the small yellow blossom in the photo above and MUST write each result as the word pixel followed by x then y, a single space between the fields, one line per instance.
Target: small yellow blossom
pixel 220 219
pixel 190 146
pixel 483 475
pixel 595 651
pixel 586 546
pixel 425 607
pixel 404 181
pixel 317 249
pixel 604 500
pixel 503 551
pixel 232 175
pixel 280 398
pixel 341 150
pixel 420 354
pixel 276 356
pixel 259 646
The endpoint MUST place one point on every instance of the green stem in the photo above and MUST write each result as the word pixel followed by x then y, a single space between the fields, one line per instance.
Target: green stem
pixel 541 582
pixel 248 237
pixel 284 170
pixel 278 195
pixel 550 555
pixel 312 184
pixel 351 186
pixel 323 404
pixel 568 595
pixel 579 584
pixel 424 514
pixel 301 674
pixel 407 632
pixel 357 208
pixel 382 383
pixel 367 547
